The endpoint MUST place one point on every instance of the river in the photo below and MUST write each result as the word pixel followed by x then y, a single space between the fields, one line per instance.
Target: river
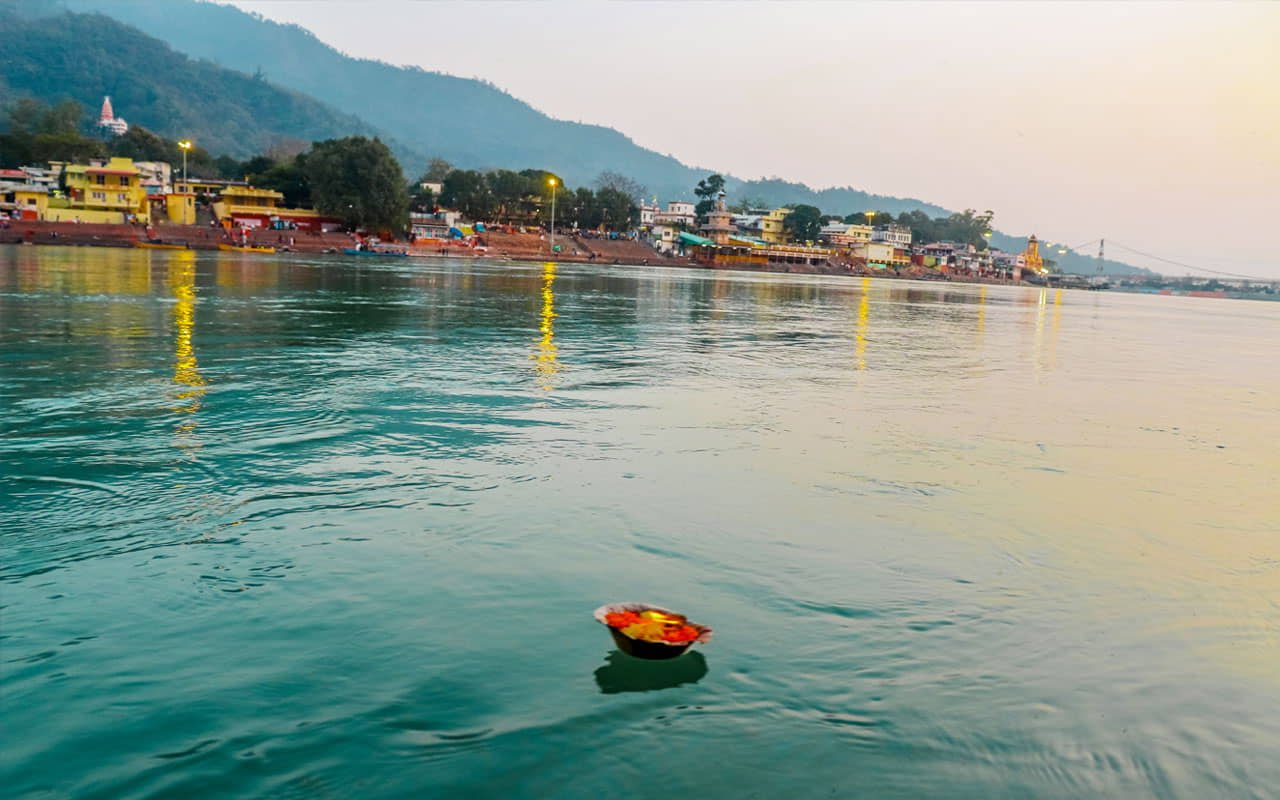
pixel 319 527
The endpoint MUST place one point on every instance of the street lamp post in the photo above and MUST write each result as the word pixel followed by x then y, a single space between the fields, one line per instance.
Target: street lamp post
pixel 552 181
pixel 185 145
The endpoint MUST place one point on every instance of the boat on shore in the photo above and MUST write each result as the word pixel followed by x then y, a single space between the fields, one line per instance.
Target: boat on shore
pixel 236 248
pixel 148 244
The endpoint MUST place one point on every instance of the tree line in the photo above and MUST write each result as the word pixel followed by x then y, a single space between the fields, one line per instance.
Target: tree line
pixel 525 197
pixel 359 181
pixel 804 222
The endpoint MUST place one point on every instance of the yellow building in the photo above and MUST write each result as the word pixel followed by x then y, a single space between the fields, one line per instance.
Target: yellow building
pixel 24 201
pixel 180 208
pixel 771 229
pixel 843 234
pixel 109 191
pixel 250 207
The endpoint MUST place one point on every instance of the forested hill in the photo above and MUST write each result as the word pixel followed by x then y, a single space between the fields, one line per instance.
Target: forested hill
pixel 233 101
pixel 467 122
pixel 82 57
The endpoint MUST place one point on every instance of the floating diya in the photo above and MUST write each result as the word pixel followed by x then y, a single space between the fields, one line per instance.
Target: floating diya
pixel 648 631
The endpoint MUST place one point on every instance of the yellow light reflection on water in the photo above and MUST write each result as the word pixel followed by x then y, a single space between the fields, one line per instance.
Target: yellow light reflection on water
pixel 188 381
pixel 1038 347
pixel 546 362
pixel 864 322
pixel 982 314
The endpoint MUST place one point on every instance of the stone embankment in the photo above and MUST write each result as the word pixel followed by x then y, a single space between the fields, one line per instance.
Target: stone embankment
pixel 194 236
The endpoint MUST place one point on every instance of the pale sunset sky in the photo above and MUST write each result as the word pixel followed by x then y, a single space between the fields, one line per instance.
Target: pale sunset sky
pixel 1155 125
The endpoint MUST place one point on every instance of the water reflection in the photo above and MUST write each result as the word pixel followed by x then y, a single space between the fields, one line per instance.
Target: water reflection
pixel 982 315
pixel 864 311
pixel 1045 345
pixel 188 381
pixel 546 362
pixel 622 673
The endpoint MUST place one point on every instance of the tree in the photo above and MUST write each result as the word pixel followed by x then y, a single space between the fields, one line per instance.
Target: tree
pixel 515 195
pixel 421 198
pixel 35 132
pixel 869 218
pixel 290 178
pixel 748 204
pixel 620 183
pixel 62 119
pixel 803 223
pixel 583 208
pixel 437 169
pixel 467 191
pixel 708 189
pixel 541 200
pixel 360 181
pixel 618 211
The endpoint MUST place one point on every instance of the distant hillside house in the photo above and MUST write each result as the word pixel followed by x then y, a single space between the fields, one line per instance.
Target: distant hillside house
pixel 107 119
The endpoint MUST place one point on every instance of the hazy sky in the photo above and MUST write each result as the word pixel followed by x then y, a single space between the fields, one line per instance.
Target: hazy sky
pixel 1156 125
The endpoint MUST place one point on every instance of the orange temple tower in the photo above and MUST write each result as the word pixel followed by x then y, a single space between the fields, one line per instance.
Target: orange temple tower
pixel 1031 258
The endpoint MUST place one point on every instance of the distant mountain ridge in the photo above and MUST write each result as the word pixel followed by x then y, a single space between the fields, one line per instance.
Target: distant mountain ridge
pixel 83 57
pixel 469 122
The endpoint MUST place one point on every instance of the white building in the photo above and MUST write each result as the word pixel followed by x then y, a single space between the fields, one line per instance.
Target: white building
pixel 108 119
pixel 678 212
pixel 648 213
pixel 897 235
pixel 154 176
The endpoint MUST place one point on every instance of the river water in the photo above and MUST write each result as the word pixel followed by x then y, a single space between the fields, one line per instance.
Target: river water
pixel 318 527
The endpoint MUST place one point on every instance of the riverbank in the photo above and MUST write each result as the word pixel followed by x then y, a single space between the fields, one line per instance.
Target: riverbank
pixel 497 245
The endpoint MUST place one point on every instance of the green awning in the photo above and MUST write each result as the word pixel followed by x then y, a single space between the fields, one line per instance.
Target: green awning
pixel 690 239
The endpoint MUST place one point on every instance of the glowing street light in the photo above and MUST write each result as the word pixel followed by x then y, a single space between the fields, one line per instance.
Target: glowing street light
pixel 185 144
pixel 552 181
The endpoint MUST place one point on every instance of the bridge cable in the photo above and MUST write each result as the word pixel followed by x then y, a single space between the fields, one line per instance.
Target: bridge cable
pixel 1187 266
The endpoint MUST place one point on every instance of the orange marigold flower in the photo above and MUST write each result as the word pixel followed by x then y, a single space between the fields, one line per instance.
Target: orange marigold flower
pixel 684 633
pixel 622 619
